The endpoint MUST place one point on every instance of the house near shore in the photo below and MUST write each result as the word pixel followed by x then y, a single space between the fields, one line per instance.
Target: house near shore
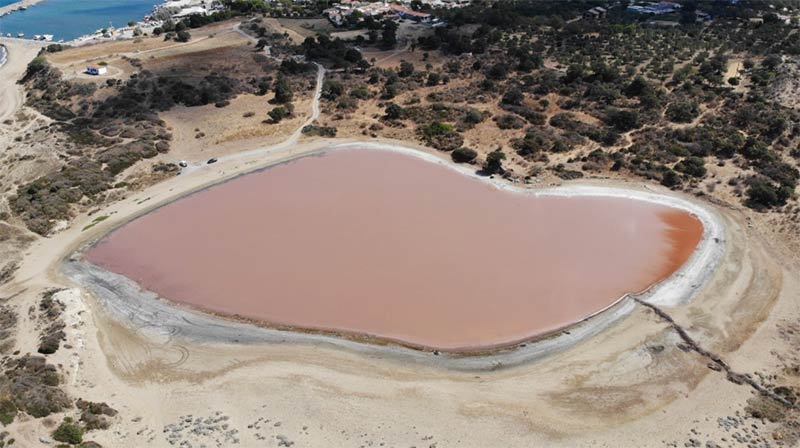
pixel 655 8
pixel 96 70
pixel 595 13
pixel 410 14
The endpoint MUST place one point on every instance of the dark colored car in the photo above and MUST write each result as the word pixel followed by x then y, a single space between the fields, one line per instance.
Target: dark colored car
pixel 212 160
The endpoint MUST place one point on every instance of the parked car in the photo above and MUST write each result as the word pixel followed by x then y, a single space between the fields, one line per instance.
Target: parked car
pixel 211 160
pixel 183 164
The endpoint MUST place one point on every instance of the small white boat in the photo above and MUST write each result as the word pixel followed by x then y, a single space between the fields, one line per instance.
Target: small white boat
pixel 37 37
pixel 21 35
pixel 47 37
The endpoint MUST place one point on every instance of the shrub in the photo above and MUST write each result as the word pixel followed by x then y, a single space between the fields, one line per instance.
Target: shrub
pixel 682 111
pixel 693 166
pixel 623 120
pixel 361 93
pixel 509 121
pixel 763 194
pixel 68 432
pixel 464 155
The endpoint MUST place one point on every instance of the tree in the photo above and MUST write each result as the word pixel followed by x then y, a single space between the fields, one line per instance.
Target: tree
pixel 494 162
pixel 638 86
pixel 389 34
pixel 623 120
pixel 498 71
pixel 763 194
pixel 283 93
pixel 682 111
pixel 670 179
pixel 406 69
pixel 183 36
pixel 277 114
pixel 394 111
pixel 693 166
pixel 513 97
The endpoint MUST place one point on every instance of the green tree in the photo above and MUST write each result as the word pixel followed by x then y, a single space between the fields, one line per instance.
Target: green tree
pixel 68 432
pixel 394 111
pixel 389 34
pixel 494 162
pixel 283 92
pixel 406 69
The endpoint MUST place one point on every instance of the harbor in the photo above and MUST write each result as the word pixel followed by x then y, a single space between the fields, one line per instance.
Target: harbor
pixel 83 21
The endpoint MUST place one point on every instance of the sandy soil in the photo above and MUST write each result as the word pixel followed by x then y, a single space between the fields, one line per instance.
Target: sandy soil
pixel 20 52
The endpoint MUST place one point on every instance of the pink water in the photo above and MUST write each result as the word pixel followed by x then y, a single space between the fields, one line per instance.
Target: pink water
pixel 387 245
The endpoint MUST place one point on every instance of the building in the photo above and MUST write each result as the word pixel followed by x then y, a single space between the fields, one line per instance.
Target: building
pixel 193 10
pixel 655 8
pixel 96 70
pixel 405 13
pixel 595 13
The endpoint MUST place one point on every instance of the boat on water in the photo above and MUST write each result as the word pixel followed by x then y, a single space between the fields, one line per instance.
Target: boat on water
pixel 21 35
pixel 44 37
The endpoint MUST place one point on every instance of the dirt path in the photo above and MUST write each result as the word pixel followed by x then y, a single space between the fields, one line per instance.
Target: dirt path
pixel 290 142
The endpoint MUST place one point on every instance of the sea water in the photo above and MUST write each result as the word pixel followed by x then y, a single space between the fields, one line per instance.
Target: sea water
pixel 69 19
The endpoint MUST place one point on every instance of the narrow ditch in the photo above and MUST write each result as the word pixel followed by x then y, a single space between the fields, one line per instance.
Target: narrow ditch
pixel 717 363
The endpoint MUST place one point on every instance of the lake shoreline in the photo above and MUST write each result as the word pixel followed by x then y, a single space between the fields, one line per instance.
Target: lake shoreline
pixel 145 311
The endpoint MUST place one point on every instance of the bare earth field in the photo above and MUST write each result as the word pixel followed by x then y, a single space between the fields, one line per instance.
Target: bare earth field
pixel 660 375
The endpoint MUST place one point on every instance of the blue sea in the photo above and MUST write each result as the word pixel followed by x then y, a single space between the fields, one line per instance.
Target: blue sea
pixel 68 19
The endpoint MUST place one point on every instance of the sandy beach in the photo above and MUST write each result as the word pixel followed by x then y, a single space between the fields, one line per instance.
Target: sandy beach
pixel 19 53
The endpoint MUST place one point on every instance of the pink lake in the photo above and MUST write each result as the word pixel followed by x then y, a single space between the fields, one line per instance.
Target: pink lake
pixel 386 245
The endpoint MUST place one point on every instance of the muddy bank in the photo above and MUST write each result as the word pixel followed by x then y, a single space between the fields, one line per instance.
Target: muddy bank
pixel 156 316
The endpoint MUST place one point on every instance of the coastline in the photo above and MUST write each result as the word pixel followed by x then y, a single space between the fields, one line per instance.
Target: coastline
pixel 146 311
pixel 94 33
pixel 17 5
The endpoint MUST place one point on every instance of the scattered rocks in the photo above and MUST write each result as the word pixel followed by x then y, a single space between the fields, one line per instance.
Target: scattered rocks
pixel 213 429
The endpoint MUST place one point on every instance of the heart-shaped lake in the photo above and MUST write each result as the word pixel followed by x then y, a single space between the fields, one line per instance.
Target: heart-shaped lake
pixel 388 245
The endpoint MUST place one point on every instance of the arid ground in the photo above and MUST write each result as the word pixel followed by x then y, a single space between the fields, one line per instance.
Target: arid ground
pixel 709 371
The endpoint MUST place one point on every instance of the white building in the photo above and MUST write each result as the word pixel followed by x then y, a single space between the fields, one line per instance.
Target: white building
pixel 96 70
